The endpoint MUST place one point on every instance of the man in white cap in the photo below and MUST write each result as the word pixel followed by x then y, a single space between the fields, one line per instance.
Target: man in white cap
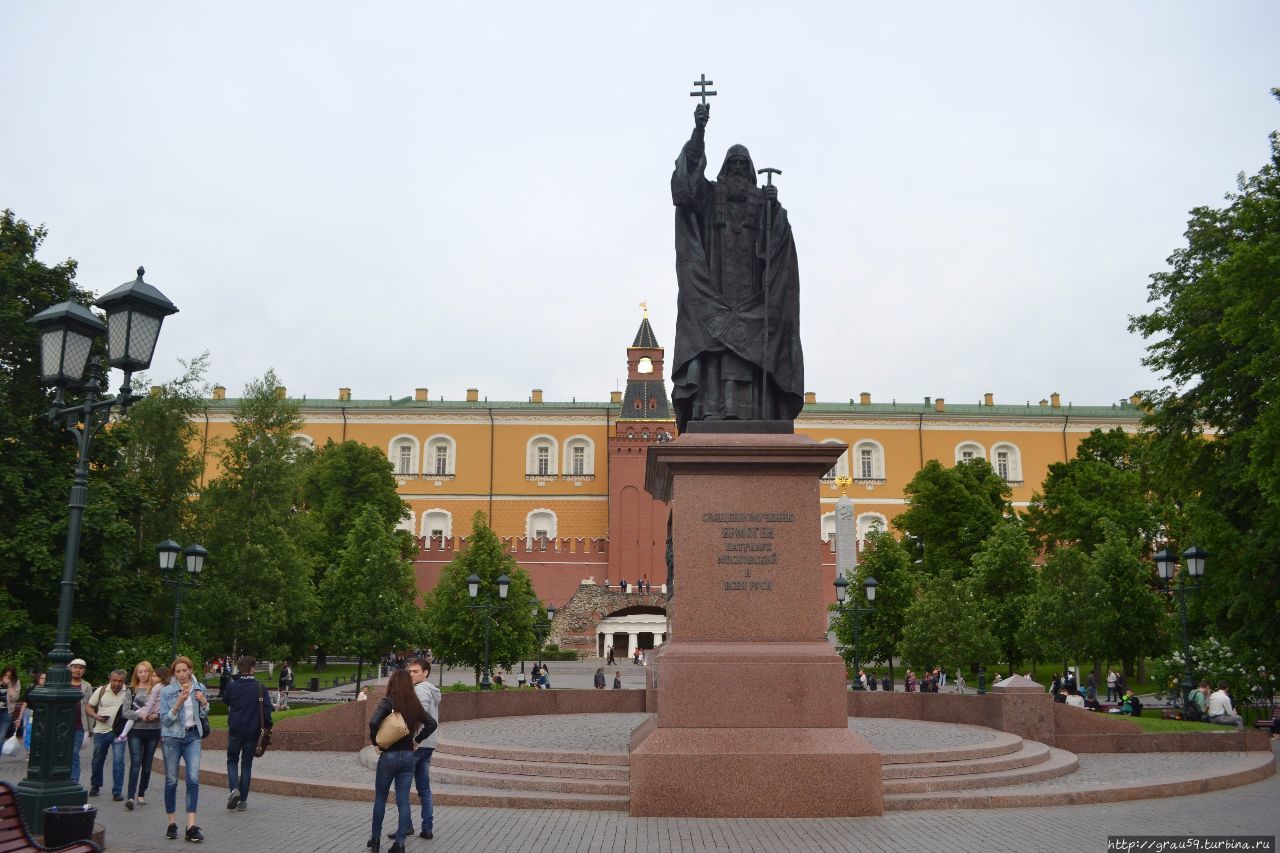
pixel 84 722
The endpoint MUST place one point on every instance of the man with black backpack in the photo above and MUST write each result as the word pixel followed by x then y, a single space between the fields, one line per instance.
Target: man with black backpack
pixel 248 713
pixel 104 707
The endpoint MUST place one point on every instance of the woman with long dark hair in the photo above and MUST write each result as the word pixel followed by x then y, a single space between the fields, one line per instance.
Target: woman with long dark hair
pixel 396 761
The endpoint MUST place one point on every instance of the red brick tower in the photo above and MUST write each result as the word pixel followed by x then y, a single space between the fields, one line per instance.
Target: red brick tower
pixel 637 522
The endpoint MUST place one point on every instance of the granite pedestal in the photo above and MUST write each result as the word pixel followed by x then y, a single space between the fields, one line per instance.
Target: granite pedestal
pixel 751 710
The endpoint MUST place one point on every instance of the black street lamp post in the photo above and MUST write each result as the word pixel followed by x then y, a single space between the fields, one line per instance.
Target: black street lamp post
pixel 1166 566
pixel 135 310
pixel 842 592
pixel 473 590
pixel 168 551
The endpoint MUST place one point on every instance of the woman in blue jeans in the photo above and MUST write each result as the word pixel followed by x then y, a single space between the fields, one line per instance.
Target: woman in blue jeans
pixel 396 761
pixel 144 734
pixel 181 702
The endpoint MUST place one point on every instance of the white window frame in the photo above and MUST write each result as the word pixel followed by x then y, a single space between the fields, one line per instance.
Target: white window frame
pixel 451 449
pixel 393 453
pixel 979 452
pixel 303 440
pixel 1014 474
pixel 827 529
pixel 531 456
pixel 866 521
pixel 841 468
pixel 531 524
pixel 877 460
pixel 435 513
pixel 588 456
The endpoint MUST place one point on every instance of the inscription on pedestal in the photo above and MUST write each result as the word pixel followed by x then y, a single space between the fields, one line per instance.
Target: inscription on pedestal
pixel 747 539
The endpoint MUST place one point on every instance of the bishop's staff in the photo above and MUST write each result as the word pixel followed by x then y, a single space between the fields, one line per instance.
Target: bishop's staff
pixel 768 252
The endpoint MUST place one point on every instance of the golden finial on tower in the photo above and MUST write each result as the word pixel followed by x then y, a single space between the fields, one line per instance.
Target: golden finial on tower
pixel 645 305
pixel 842 483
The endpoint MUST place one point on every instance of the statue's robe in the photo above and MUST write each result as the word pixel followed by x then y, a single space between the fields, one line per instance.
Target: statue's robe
pixel 732 324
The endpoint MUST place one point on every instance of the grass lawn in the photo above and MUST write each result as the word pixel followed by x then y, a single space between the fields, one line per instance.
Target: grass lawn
pixel 219 720
pixel 303 673
pixel 1156 724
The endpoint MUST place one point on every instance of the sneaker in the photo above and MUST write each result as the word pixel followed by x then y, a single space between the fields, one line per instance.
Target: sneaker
pixel 93 792
pixel 128 804
pixel 232 799
pixel 117 798
pixel 194 834
pixel 172 831
pixel 426 833
pixel 241 806
pixel 142 801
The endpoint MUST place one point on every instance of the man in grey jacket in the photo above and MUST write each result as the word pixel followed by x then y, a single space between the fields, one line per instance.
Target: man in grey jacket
pixel 429 695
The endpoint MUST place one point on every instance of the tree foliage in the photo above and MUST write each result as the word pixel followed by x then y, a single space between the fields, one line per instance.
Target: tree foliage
pixel 1214 336
pixel 1004 579
pixel 880 633
pixel 368 598
pixel 258 594
pixel 1064 611
pixel 945 626
pixel 455 632
pixel 952 511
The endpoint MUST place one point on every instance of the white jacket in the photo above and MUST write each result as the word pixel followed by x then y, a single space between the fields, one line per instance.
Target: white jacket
pixel 429 695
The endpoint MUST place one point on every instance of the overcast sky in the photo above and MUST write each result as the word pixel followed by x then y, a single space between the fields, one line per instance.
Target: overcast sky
pixel 394 195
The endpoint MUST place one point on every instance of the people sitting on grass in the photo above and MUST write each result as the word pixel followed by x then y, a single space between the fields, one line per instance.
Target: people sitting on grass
pixel 1076 699
pixel 1130 705
pixel 1221 710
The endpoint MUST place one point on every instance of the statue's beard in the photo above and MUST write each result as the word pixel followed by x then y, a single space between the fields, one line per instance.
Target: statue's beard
pixel 740 187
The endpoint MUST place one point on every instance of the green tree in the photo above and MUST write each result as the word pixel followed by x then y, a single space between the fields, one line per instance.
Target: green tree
pixel 1004 578
pixel 455 632
pixel 945 626
pixel 257 592
pixel 338 482
pixel 881 630
pixel 1214 336
pixel 369 596
pixel 1064 610
pixel 1106 479
pixel 36 458
pixel 1131 621
pixel 951 512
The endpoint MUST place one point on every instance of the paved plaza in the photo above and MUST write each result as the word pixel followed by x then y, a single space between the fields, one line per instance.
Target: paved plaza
pixel 277 824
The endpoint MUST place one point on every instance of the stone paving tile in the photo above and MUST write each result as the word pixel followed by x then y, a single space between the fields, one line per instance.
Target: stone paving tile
pixel 1138 768
pixel 277 824
pixel 913 735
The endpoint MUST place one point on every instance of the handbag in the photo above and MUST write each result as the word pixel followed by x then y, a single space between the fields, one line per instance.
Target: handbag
pixel 391 730
pixel 118 724
pixel 264 733
pixel 204 721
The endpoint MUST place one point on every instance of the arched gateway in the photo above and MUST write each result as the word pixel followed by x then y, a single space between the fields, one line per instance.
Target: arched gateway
pixel 597 617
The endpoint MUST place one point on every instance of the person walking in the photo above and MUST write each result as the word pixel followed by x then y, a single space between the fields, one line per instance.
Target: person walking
pixel 84 723
pixel 617 680
pixel 10 699
pixel 106 704
pixel 28 713
pixel 396 760
pixel 1111 684
pixel 428 694
pixel 248 712
pixel 184 708
pixel 598 681
pixel 143 735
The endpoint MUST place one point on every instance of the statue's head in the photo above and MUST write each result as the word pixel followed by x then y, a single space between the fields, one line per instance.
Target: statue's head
pixel 738 168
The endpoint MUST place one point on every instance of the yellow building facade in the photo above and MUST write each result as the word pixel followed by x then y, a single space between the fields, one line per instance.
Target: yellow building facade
pixel 541 470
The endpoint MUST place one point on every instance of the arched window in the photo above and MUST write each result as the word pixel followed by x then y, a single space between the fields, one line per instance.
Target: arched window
pixel 868 461
pixel 644 365
pixel 579 457
pixel 441 456
pixel 829 529
pixel 868 522
pixel 541 458
pixel 403 453
pixel 967 450
pixel 540 526
pixel 841 468
pixel 1007 461
pixel 437 524
pixel 304 441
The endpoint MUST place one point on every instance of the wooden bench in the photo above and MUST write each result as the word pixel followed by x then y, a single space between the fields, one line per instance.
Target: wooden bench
pixel 1271 724
pixel 14 836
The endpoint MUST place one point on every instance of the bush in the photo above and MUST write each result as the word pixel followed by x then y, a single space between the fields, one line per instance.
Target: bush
pixel 554 652
pixel 125 652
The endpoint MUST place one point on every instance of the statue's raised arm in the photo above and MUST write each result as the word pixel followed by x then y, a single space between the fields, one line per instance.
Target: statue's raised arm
pixel 688 181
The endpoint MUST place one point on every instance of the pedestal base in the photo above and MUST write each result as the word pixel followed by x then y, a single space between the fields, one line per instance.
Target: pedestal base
pixel 733 772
